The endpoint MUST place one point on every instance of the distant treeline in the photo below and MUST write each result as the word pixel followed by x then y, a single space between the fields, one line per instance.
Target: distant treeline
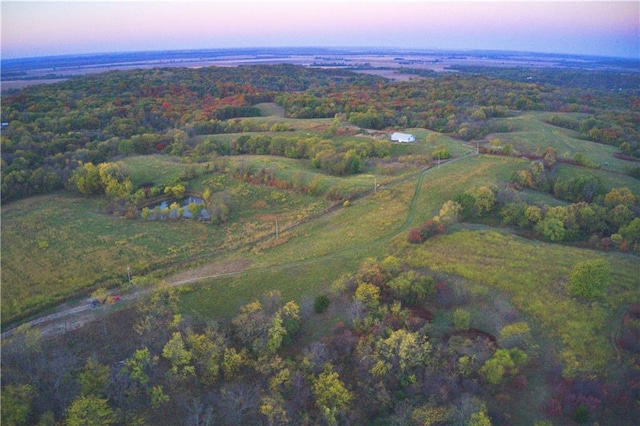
pixel 53 129
pixel 564 77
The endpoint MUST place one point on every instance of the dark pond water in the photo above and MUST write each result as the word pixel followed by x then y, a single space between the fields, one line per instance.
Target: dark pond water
pixel 190 208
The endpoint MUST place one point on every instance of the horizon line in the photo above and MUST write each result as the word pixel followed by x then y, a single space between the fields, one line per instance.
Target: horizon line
pixel 337 48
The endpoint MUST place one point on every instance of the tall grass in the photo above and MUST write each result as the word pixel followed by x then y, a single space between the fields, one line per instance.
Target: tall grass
pixel 59 245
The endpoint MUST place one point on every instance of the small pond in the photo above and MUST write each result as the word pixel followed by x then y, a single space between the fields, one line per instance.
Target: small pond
pixel 190 208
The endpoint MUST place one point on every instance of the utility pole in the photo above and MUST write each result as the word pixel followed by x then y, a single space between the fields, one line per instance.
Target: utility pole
pixel 277 233
pixel 129 275
pixel 375 184
pixel 477 147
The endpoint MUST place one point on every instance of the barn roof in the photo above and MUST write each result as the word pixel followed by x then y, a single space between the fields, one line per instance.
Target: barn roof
pixel 397 136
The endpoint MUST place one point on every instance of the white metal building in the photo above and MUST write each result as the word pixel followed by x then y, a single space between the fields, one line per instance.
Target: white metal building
pixel 402 137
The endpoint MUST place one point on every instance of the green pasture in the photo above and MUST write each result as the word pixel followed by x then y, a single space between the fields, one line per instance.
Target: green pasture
pixel 534 275
pixel 444 182
pixel 246 200
pixel 58 245
pixel 301 171
pixel 609 179
pixel 222 297
pixel 532 135
pixel 364 223
pixel 158 169
pixel 349 234
pixel 306 259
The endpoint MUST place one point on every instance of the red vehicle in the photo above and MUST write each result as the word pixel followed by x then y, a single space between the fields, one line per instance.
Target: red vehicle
pixel 110 299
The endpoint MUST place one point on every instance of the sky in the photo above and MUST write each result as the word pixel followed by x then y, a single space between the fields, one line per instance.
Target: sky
pixel 46 28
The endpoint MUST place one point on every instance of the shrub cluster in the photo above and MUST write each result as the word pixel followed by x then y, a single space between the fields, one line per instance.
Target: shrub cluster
pixel 430 228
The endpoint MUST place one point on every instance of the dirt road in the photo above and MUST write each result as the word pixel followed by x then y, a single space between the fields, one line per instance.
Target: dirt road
pixel 70 316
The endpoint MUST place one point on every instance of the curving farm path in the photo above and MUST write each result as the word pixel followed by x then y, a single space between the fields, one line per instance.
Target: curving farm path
pixel 72 315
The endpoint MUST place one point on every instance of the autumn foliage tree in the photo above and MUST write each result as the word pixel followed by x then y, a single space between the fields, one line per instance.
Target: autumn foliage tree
pixel 90 411
pixel 332 397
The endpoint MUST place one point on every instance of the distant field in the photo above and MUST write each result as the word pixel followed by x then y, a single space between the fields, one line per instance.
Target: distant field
pixel 21 84
pixel 230 137
pixel 316 124
pixel 531 134
pixel 271 109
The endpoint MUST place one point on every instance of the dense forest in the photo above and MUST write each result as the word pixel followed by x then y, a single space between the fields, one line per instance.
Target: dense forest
pixel 54 129
pixel 389 363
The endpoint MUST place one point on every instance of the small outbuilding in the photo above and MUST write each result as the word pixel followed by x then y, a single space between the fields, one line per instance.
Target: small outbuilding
pixel 402 137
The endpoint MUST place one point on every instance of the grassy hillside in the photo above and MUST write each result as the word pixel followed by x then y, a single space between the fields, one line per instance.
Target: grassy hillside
pixel 531 134
pixel 533 275
pixel 58 245
pixel 38 250
pixel 157 169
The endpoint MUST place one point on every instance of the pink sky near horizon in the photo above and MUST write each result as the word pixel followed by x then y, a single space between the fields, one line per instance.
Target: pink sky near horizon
pixel 574 27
